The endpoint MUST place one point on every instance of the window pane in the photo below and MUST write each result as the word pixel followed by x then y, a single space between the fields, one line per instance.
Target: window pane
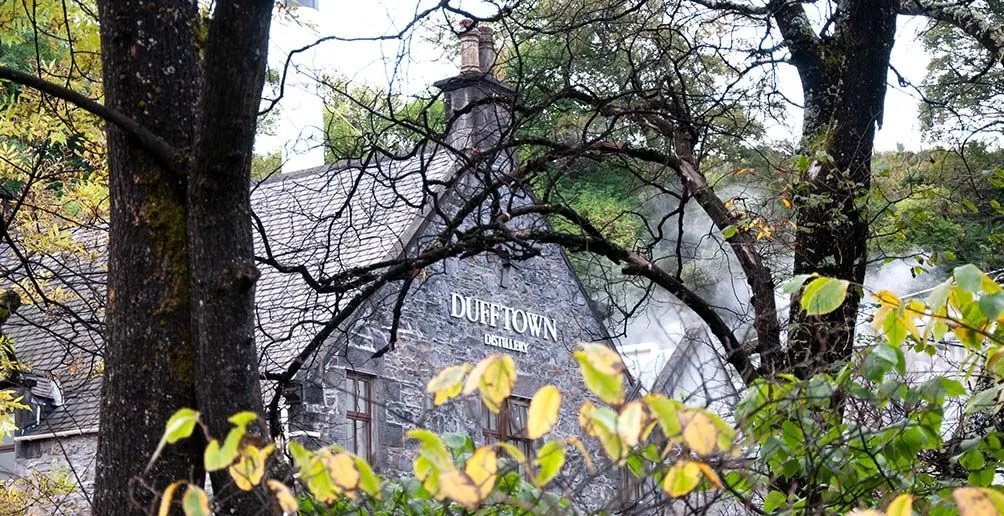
pixel 360 395
pixel 350 389
pixel 517 417
pixel 362 438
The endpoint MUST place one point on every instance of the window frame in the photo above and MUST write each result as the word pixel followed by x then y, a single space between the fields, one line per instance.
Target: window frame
pixel 503 430
pixel 352 380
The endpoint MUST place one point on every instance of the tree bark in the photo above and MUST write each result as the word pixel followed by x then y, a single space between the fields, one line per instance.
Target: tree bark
pixel 844 79
pixel 150 73
pixel 219 231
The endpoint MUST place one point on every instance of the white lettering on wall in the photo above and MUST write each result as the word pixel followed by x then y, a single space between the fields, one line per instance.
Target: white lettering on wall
pixel 495 315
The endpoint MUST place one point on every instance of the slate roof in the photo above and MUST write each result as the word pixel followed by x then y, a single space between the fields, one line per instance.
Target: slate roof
pixel 329 221
pixel 326 219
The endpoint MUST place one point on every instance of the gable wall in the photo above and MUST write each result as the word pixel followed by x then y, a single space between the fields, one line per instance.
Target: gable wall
pixel 430 339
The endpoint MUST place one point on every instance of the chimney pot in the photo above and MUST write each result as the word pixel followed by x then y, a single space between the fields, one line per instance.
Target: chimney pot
pixel 486 48
pixel 469 47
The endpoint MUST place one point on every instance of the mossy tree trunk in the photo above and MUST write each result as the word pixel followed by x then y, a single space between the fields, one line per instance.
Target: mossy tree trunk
pixel 151 74
pixel 181 273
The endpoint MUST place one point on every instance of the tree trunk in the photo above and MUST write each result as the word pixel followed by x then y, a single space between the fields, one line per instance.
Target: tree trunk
pixel 219 231
pixel 845 91
pixel 150 73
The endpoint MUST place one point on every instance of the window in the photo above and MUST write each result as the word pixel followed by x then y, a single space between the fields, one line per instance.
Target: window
pixel 360 414
pixel 508 425
pixel 7 463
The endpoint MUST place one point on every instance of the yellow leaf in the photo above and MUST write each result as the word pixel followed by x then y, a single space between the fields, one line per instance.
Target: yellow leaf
pixel 709 474
pixel 608 386
pixel 630 422
pixel 448 383
pixel 605 360
pixel 681 478
pixel 586 412
pixel 497 382
pixel 165 500
pixel 543 411
pixel 978 501
pixel 901 506
pixel 249 469
pixel 195 502
pixel 887 298
pixel 287 502
pixel 513 451
pixel 474 379
pixel 582 450
pixel 482 467
pixel 457 486
pixel 343 471
pixel 699 432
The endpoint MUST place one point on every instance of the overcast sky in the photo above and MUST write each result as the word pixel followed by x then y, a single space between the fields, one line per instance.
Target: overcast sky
pixel 413 64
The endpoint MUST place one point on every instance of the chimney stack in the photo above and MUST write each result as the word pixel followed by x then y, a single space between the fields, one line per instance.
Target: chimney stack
pixel 476 103
pixel 469 48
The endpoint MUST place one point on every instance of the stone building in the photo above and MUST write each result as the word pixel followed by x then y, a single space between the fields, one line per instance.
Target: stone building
pixel 355 386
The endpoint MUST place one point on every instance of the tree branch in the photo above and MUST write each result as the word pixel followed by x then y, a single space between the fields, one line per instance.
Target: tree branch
pixel 967 20
pixel 154 144
pixel 802 41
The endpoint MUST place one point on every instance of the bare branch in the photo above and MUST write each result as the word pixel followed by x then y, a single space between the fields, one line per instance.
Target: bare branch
pixel 154 144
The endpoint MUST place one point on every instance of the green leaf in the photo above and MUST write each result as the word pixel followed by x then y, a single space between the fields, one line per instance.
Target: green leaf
pixel 795 283
pixel 972 460
pixel 242 419
pixel 729 232
pixel 968 277
pixel 992 305
pixel 217 457
pixel 666 411
pixel 981 478
pixel 774 501
pixel 368 481
pixel 195 502
pixel 179 426
pixel 824 295
pixel 550 459
pixel 939 296
pixel 985 401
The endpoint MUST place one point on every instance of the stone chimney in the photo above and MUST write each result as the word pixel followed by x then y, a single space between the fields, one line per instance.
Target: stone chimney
pixel 477 105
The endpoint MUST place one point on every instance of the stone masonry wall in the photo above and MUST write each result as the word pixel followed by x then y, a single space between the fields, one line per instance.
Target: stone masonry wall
pixel 72 457
pixel 430 340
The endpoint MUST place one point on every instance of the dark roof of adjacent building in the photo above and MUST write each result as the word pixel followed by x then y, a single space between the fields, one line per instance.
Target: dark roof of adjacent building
pixel 326 219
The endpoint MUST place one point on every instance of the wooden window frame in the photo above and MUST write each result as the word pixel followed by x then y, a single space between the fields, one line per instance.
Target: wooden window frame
pixel 503 431
pixel 366 417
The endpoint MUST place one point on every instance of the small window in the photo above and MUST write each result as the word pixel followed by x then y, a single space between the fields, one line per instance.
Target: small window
pixel 360 414
pixel 7 462
pixel 508 425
